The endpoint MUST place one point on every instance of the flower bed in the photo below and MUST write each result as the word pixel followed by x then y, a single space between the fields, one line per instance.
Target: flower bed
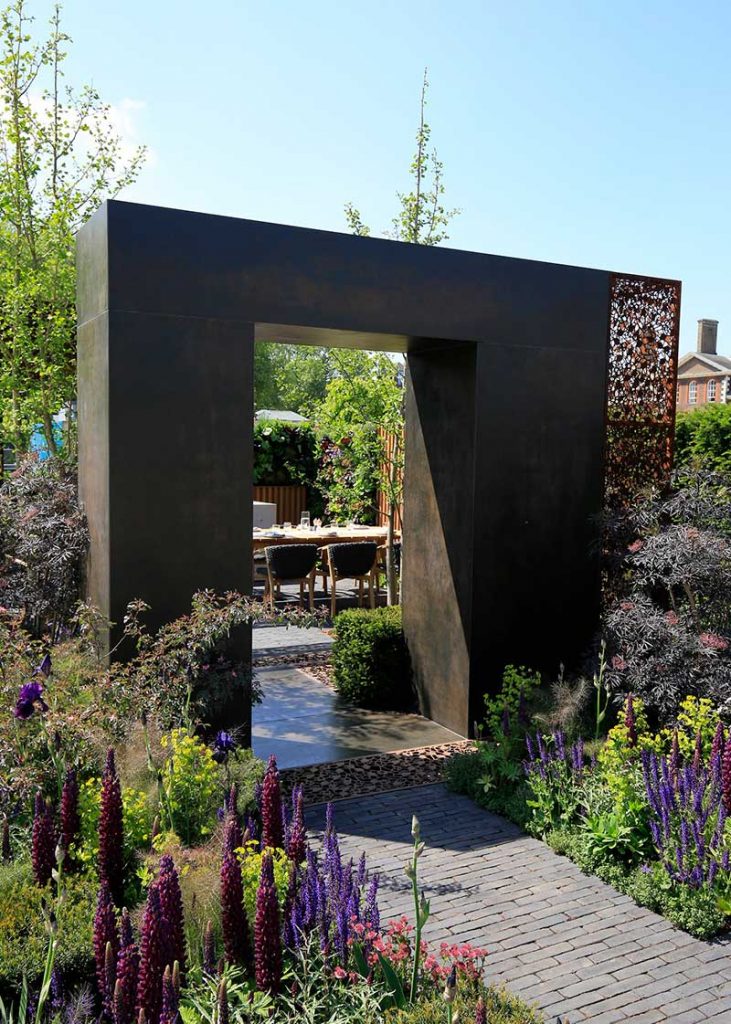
pixel 647 811
pixel 254 923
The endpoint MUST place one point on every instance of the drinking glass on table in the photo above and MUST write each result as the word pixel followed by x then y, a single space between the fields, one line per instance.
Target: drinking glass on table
pixel 305 521
pixel 286 526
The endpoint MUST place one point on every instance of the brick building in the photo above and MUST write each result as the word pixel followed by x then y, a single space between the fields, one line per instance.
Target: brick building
pixel 703 375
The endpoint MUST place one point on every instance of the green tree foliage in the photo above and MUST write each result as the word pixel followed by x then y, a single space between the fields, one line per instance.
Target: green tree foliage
pixel 422 217
pixel 60 157
pixel 704 435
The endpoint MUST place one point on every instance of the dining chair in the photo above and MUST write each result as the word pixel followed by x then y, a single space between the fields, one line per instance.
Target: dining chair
pixel 291 563
pixel 352 561
pixel 382 565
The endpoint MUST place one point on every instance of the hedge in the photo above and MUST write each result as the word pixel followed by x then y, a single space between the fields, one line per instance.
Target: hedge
pixel 371 663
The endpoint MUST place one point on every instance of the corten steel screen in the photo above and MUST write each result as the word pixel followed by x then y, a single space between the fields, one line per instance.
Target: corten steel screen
pixel 534 391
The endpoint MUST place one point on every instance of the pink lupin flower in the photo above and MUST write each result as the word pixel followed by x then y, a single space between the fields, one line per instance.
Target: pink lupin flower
pixel 267 933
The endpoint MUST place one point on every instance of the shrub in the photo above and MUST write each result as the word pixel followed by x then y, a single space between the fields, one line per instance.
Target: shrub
pixel 23 935
pixel 704 435
pixel 669 630
pixel 501 1006
pixel 43 543
pixel 371 663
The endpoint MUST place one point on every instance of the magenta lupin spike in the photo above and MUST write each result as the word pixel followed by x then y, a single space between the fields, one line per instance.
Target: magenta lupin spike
pixel 153 946
pixel 111 831
pixel 267 934
pixel 105 934
pixel 271 808
pixel 171 905
pixel 43 842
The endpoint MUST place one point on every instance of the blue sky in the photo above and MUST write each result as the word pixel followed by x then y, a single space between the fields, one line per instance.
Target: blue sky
pixel 591 133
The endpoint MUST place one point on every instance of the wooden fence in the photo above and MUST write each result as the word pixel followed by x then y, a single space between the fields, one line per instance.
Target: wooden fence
pixel 291 501
pixel 382 499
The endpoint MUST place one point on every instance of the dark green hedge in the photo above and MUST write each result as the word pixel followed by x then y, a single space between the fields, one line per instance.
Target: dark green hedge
pixel 370 659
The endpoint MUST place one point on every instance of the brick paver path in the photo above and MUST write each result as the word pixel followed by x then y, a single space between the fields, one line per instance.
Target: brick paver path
pixel 560 939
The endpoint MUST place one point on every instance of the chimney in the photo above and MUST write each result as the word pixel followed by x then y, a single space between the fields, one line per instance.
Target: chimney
pixel 707 331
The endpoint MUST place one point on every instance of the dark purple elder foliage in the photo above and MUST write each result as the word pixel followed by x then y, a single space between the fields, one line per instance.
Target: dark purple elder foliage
pixel 105 934
pixel 271 808
pixel 43 538
pixel 111 831
pixel 43 842
pixel 669 630
pixel 267 930
pixel 171 905
pixel 153 955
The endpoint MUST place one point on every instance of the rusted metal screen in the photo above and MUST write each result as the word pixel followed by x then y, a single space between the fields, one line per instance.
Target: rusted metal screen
pixel 291 501
pixel 644 318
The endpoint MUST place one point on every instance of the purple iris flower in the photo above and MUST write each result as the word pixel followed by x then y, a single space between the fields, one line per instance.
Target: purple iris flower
pixel 31 694
pixel 224 742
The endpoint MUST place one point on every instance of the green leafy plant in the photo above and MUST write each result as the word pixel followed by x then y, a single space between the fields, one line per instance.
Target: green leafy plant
pixel 190 786
pixel 517 689
pixel 370 659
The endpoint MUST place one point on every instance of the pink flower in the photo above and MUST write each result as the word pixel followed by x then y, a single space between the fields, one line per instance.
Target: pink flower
pixel 671 618
pixel 636 546
pixel 626 606
pixel 340 973
pixel 713 641
pixel 619 663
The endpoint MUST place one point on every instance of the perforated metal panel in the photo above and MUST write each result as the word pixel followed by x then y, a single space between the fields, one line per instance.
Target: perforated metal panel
pixel 641 385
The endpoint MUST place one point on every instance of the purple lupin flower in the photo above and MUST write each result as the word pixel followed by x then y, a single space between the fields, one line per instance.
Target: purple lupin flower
pixel 110 978
pixel 235 927
pixel 43 842
pixel 630 721
pixel 171 905
pixel 153 947
pixel 726 777
pixel 674 764
pixel 111 832
pixel 698 752
pixel 128 966
pixel 480 1012
pixel 297 838
pixel 169 1001
pixel 209 950
pixel 222 1016
pixel 70 818
pixel 232 836
pixel 268 942
pixel 271 808
pixel 105 935
pixel 718 745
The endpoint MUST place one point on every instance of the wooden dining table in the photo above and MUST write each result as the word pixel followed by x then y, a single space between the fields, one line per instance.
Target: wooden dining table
pixel 322 537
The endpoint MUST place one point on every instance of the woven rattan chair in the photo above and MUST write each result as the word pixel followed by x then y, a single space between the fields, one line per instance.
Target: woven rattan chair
pixel 352 561
pixel 291 563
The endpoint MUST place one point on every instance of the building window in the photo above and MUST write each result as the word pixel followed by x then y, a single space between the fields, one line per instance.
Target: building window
pixel 692 392
pixel 712 385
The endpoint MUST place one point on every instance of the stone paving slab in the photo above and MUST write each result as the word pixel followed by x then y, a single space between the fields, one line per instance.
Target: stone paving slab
pixel 562 940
